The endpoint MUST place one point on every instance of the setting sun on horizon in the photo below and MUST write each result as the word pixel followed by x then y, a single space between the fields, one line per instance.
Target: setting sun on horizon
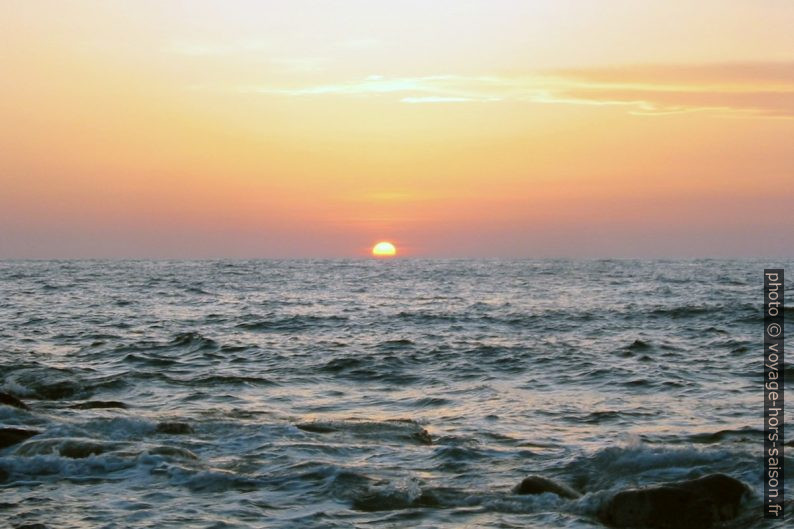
pixel 384 249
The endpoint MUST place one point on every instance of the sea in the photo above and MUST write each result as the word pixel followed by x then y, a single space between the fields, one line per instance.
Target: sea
pixel 373 393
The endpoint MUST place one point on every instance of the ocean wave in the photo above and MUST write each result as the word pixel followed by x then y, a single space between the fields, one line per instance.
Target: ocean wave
pixel 621 466
pixel 54 466
pixel 290 323
pixel 207 481
pixel 751 435
pixel 181 342
pixel 216 380
pixel 73 448
pixel 51 383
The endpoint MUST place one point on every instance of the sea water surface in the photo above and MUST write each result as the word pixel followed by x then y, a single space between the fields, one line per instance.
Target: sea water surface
pixel 373 394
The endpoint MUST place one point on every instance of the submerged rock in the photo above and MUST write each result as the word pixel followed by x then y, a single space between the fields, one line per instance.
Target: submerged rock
pixel 10 400
pixel 82 449
pixel 392 429
pixel 71 447
pixel 174 428
pixel 315 427
pixel 98 404
pixel 60 390
pixel 11 436
pixel 693 504
pixel 539 485
pixel 423 437
pixel 390 500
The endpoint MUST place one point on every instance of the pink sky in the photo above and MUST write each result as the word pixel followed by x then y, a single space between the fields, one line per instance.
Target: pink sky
pixel 466 128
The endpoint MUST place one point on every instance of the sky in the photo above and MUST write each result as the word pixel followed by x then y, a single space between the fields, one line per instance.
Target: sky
pixel 453 128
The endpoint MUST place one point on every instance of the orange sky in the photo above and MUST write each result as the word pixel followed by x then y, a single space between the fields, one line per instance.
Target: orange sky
pixel 452 128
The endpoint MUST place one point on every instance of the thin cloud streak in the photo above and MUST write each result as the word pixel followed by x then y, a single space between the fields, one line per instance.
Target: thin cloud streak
pixel 435 99
pixel 755 90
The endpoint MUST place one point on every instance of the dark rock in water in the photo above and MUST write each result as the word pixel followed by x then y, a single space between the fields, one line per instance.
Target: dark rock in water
pixel 60 390
pixel 423 437
pixel 639 345
pixel 98 404
pixel 402 429
pixel 390 500
pixel 693 504
pixel 539 485
pixel 12 436
pixel 10 400
pixel 3 475
pixel 81 449
pixel 316 427
pixel 174 428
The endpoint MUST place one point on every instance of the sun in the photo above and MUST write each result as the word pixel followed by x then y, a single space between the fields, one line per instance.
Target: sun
pixel 384 249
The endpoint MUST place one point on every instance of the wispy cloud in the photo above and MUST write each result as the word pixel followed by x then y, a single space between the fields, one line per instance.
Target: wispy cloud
pixel 750 90
pixel 428 89
pixel 741 89
pixel 435 99
pixel 734 73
